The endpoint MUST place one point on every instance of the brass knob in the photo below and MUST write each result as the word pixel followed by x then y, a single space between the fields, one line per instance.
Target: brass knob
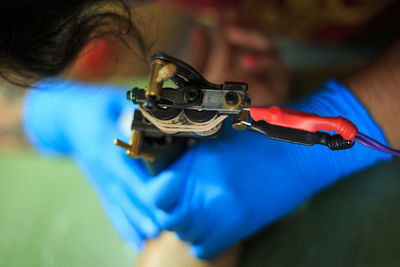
pixel 133 149
pixel 236 124
pixel 166 72
pixel 121 144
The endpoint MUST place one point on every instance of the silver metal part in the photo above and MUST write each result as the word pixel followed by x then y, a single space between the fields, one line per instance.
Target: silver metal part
pixel 213 100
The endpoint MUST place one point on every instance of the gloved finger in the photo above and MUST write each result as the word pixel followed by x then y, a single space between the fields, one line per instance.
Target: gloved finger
pixel 131 221
pixel 126 230
pixel 200 46
pixel 131 173
pixel 159 195
pixel 175 220
pixel 193 232
pixel 108 165
pixel 172 191
pixel 136 213
pixel 166 189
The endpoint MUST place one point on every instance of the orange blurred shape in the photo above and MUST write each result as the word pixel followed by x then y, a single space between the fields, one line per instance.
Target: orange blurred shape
pixel 97 60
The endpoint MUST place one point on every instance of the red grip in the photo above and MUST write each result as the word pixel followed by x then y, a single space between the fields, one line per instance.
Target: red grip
pixel 309 122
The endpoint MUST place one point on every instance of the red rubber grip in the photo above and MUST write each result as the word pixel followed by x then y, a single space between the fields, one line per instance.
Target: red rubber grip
pixel 309 122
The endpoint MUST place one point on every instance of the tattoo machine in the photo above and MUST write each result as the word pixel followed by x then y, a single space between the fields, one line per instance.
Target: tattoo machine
pixel 168 119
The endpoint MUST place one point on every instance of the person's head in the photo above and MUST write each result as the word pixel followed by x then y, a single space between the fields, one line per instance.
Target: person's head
pixel 41 38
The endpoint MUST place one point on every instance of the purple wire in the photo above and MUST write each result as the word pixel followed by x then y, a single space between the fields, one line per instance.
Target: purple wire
pixel 379 145
pixel 365 143
pixel 373 144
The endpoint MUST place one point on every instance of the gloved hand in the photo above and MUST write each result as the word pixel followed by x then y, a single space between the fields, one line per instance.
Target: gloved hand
pixel 80 120
pixel 224 190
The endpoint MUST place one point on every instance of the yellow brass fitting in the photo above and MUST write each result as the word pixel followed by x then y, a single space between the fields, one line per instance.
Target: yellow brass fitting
pixel 166 72
pixel 133 149
pixel 154 88
pixel 242 116
pixel 136 144
pixel 236 124
pixel 121 144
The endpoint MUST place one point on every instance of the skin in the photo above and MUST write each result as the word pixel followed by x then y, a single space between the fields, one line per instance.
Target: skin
pixel 11 133
pixel 377 86
pixel 167 250
pixel 225 55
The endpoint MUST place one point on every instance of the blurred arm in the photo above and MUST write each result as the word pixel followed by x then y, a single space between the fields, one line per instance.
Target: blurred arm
pixel 378 87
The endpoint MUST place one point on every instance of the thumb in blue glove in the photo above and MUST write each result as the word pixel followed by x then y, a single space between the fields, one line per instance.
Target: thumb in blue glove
pixel 81 121
pixel 224 190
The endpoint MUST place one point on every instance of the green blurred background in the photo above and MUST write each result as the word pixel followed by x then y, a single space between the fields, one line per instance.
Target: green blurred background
pixel 50 216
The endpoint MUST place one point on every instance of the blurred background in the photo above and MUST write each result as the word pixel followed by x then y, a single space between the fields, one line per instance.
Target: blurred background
pixel 50 215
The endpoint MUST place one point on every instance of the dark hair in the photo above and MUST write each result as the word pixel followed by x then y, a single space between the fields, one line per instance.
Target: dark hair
pixel 40 38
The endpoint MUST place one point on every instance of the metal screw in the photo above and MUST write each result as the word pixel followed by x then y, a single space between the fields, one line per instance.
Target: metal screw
pixel 192 95
pixel 231 98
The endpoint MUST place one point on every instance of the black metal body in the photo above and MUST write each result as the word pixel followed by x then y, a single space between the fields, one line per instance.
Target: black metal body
pixel 199 100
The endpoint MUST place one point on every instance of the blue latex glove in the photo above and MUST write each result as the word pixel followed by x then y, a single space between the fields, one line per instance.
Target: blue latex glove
pixel 80 120
pixel 224 190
